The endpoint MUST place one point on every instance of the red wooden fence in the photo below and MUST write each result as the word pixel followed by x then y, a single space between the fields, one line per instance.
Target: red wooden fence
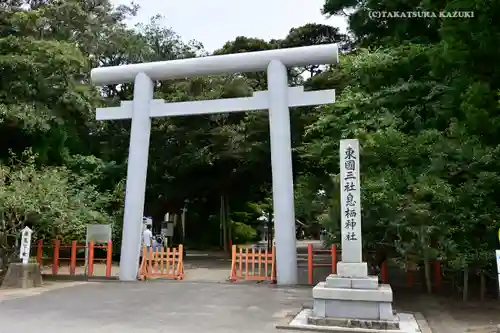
pixel 384 276
pixel 310 260
pixel 73 259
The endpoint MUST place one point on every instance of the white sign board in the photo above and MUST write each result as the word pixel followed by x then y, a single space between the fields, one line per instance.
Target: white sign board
pixel 24 250
pixel 98 233
pixel 497 256
pixel 499 283
pixel 169 230
pixel 350 201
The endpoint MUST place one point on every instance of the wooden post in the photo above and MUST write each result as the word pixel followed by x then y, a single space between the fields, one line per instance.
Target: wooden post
pixel 90 270
pixel 384 272
pixel 411 267
pixel 72 265
pixel 39 252
pixel 437 275
pixel 109 258
pixel 334 259
pixel 233 276
pixel 410 278
pixel 55 257
pixel 310 264
pixel 180 263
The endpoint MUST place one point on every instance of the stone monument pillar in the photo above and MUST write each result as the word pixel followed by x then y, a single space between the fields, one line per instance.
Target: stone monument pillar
pixel 352 298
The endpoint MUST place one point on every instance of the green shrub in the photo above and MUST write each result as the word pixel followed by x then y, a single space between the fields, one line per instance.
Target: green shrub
pixel 242 233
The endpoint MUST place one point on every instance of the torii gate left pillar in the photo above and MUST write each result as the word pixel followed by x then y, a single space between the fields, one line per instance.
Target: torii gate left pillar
pixel 277 99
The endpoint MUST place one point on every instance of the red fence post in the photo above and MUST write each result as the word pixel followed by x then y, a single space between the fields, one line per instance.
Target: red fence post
pixel 384 272
pixel 437 275
pixel 39 252
pixel 90 269
pixel 55 257
pixel 309 263
pixel 334 259
pixel 109 258
pixel 72 265
pixel 409 277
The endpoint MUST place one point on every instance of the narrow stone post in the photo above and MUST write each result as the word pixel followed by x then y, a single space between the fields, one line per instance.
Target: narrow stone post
pixel 350 199
pixel 351 298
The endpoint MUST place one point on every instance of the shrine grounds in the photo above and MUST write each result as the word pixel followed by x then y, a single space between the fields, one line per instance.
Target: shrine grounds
pixel 184 306
pixel 206 302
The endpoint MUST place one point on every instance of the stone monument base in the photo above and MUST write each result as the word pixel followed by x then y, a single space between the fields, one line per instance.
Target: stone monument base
pixel 352 299
pixel 301 323
pixel 352 294
pixel 350 303
pixel 355 323
pixel 23 276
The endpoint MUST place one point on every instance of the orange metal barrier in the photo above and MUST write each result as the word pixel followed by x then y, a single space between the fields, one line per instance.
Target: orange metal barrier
pixel 56 259
pixel 310 261
pixel 162 264
pixel 253 265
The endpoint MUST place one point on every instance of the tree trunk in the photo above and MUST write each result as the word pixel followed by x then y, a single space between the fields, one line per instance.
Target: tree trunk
pixel 177 229
pixel 483 286
pixel 465 292
pixel 228 223
pixel 223 222
pixel 427 268
pixel 183 221
pixel 270 233
pixel 427 272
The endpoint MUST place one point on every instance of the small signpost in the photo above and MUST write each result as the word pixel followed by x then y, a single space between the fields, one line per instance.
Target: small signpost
pixel 24 250
pixel 497 257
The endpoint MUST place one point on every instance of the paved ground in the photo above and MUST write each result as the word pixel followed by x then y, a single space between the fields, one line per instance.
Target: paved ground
pixel 173 306
pixel 199 304
pixel 159 306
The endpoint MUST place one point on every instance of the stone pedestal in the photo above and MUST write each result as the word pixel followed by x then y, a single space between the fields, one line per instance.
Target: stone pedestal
pixel 23 276
pixel 353 299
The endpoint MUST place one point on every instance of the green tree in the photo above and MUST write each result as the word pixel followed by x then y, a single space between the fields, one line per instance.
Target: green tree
pixel 53 201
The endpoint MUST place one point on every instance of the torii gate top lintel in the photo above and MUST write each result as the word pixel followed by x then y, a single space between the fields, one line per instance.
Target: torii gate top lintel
pixel 219 64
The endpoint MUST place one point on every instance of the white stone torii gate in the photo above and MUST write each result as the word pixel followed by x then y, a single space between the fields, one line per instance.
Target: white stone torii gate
pixel 278 98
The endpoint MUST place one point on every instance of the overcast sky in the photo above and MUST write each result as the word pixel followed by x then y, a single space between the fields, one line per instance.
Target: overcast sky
pixel 214 22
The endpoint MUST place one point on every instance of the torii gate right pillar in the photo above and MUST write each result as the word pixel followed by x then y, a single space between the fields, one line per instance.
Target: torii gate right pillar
pixel 282 174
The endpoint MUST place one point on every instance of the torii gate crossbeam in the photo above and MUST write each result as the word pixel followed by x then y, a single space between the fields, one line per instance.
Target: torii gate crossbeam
pixel 278 98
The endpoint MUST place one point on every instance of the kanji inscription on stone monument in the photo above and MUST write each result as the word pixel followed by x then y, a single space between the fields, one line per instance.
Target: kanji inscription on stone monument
pixel 24 249
pixel 350 201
